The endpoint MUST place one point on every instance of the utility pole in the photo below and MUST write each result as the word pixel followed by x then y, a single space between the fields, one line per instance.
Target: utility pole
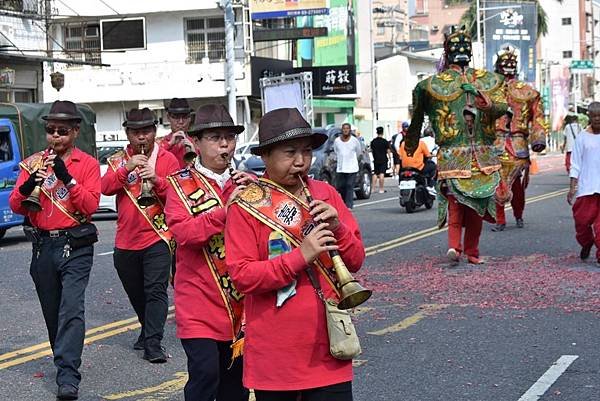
pixel 48 25
pixel 479 39
pixel 374 105
pixel 230 58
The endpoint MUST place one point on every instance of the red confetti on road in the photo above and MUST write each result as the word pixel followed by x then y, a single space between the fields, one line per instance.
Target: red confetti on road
pixel 516 283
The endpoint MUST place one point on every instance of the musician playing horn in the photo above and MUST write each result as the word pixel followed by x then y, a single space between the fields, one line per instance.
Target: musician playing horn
pixel 143 241
pixel 272 236
pixel 60 268
pixel 208 308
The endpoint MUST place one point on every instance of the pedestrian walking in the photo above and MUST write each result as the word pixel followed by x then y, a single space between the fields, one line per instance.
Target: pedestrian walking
pixel 585 185
pixel 380 148
pixel 272 236
pixel 347 148
pixel 143 241
pixel 570 132
pixel 65 183
pixel 208 308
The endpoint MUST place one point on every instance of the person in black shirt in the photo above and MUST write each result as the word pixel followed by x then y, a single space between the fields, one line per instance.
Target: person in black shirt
pixel 380 148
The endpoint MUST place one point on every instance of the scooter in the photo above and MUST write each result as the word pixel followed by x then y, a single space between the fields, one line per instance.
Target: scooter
pixel 413 190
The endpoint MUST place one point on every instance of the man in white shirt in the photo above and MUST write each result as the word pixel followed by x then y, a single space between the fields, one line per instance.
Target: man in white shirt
pixel 585 185
pixel 347 148
pixel 572 129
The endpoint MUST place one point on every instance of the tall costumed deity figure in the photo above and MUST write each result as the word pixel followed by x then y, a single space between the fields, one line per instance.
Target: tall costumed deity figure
pixel 521 126
pixel 462 104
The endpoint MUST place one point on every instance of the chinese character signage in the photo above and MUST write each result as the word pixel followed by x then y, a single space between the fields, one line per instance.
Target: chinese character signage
pixel 264 9
pixel 332 80
pixel 560 77
pixel 7 77
pixel 514 24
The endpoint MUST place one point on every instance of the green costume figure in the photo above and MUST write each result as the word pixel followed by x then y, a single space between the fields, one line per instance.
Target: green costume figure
pixel 462 104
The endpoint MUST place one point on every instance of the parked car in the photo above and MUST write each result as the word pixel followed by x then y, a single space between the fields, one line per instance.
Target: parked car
pixel 324 164
pixel 105 150
pixel 242 152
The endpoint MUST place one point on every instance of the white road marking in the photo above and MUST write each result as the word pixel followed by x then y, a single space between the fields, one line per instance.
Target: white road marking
pixel 538 389
pixel 374 202
pixel 106 253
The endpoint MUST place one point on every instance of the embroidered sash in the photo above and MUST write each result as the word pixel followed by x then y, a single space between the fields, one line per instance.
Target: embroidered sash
pixel 199 197
pixel 154 214
pixel 287 214
pixel 53 188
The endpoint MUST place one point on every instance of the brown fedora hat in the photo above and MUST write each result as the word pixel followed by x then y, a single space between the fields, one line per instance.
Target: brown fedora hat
pixel 213 116
pixel 282 125
pixel 139 118
pixel 179 106
pixel 63 110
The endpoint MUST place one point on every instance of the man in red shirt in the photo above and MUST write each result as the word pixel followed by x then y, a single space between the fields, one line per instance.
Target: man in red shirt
pixel 177 141
pixel 272 236
pixel 143 240
pixel 69 181
pixel 208 308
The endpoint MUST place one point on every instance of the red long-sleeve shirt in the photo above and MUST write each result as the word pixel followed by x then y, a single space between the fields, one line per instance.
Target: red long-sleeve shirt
pixel 134 232
pixel 177 149
pixel 85 195
pixel 287 348
pixel 199 308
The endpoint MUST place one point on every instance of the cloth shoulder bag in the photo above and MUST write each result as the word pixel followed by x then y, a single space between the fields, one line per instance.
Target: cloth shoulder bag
pixel 343 340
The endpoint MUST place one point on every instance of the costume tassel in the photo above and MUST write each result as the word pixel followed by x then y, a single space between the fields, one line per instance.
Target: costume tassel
pixel 237 350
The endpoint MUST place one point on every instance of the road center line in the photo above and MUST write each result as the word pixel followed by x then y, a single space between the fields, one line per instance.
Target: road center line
pixel 171 386
pixel 106 253
pixel 374 202
pixel 540 387
pixel 426 310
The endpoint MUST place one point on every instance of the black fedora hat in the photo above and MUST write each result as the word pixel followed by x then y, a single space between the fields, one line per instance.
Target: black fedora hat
pixel 140 118
pixel 282 125
pixel 179 106
pixel 63 110
pixel 213 116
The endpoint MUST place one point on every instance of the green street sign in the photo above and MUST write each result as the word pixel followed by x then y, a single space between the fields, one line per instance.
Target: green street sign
pixel 582 64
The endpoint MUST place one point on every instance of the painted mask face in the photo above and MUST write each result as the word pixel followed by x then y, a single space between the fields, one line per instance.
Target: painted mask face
pixel 506 64
pixel 458 49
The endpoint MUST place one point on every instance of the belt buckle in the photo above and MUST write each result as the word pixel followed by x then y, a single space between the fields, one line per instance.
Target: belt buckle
pixel 54 233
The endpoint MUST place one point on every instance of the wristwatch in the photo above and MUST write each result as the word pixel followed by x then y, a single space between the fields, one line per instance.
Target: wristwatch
pixel 71 183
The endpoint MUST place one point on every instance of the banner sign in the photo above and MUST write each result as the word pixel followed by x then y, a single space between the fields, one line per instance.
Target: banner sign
pixel 332 80
pixel 512 24
pixel 265 9
pixel 560 77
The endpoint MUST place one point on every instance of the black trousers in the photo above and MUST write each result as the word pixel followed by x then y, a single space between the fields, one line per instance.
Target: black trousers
pixel 60 283
pixel 429 172
pixel 145 277
pixel 344 183
pixel 210 376
pixel 335 392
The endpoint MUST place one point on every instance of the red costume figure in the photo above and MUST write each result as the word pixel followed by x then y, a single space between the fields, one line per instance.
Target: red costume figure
pixel 523 125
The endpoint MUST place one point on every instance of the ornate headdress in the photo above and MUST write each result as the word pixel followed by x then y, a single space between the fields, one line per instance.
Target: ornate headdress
pixel 457 46
pixel 506 61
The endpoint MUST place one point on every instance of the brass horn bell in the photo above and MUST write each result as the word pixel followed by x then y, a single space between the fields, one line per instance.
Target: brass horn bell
pixel 352 293
pixel 32 203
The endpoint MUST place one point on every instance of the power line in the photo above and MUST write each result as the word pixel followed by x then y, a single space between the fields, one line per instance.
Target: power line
pixel 69 7
pixel 108 5
pixel 11 42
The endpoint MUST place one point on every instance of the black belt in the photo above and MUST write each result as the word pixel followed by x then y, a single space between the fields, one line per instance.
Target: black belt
pixel 53 233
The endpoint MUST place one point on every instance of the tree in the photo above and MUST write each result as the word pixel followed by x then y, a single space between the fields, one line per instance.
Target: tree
pixel 469 19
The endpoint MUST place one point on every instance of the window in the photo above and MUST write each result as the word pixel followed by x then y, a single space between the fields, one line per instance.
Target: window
pixel 567 54
pixel 82 41
pixel 12 5
pixel 380 28
pixel 205 38
pixel 566 21
pixel 5 145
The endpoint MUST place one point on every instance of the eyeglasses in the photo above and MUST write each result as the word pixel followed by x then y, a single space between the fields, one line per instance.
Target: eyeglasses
pixel 62 131
pixel 219 138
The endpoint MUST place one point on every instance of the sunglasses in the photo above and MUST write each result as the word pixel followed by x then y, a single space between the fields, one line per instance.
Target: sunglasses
pixel 60 130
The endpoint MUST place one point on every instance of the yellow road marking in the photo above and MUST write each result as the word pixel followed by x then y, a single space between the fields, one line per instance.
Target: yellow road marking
pixel 170 386
pixel 407 239
pixel 44 348
pixel 87 340
pixel 426 310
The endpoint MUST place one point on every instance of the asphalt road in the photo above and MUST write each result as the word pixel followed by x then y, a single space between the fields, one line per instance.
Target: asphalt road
pixel 429 333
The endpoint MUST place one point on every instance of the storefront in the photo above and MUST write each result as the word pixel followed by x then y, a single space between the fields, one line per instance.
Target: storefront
pixel 20 78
